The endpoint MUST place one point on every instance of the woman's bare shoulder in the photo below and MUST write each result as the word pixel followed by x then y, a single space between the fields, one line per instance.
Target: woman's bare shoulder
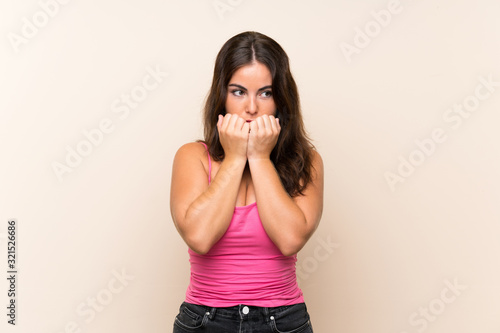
pixel 317 164
pixel 315 154
pixel 191 149
pixel 316 157
pixel 191 157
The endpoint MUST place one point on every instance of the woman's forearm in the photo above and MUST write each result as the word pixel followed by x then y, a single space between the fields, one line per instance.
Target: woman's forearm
pixel 283 220
pixel 208 216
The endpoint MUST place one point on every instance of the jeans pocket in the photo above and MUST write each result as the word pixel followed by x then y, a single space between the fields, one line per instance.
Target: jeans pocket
pixel 293 320
pixel 191 317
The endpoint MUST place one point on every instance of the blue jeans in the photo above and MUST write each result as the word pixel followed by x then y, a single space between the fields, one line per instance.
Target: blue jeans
pixel 243 319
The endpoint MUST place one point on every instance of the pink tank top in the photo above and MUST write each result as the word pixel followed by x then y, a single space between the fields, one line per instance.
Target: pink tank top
pixel 243 267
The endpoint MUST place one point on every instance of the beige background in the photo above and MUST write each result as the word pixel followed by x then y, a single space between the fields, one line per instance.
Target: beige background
pixel 382 257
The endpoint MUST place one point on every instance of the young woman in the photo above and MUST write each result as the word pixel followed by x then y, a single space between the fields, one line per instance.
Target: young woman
pixel 247 198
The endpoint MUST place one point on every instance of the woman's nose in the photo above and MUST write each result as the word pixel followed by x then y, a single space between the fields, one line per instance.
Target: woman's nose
pixel 251 106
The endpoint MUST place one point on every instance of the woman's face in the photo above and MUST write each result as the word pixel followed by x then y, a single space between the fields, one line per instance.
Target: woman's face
pixel 249 93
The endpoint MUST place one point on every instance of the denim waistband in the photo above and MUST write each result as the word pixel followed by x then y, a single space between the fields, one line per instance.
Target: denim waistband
pixel 246 310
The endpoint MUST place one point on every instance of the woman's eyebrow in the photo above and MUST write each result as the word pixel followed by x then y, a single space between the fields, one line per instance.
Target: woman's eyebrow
pixel 265 87
pixel 243 88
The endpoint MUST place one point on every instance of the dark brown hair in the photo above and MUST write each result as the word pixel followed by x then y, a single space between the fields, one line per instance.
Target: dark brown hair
pixel 292 154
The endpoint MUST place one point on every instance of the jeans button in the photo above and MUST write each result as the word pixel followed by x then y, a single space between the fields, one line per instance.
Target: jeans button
pixel 245 310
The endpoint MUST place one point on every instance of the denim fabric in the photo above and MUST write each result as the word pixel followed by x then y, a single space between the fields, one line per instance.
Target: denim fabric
pixel 242 319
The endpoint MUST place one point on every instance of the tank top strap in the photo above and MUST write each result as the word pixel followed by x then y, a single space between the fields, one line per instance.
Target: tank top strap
pixel 209 164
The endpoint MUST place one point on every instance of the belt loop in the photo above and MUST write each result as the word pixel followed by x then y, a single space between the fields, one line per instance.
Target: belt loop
pixel 213 310
pixel 266 313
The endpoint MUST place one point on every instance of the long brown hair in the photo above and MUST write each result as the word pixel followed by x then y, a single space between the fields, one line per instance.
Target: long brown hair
pixel 292 154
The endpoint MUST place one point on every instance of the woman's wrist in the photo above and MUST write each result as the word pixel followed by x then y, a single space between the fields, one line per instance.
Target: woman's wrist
pixel 258 161
pixel 235 160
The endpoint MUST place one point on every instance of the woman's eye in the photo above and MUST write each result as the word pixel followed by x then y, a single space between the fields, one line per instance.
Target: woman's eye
pixel 237 92
pixel 267 93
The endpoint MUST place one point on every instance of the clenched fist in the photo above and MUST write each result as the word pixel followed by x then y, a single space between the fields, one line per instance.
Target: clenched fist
pixel 233 135
pixel 264 132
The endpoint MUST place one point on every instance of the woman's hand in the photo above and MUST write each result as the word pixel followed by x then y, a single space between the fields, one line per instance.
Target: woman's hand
pixel 264 132
pixel 233 136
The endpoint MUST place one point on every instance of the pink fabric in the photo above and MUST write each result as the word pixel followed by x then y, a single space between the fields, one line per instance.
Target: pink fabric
pixel 243 267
